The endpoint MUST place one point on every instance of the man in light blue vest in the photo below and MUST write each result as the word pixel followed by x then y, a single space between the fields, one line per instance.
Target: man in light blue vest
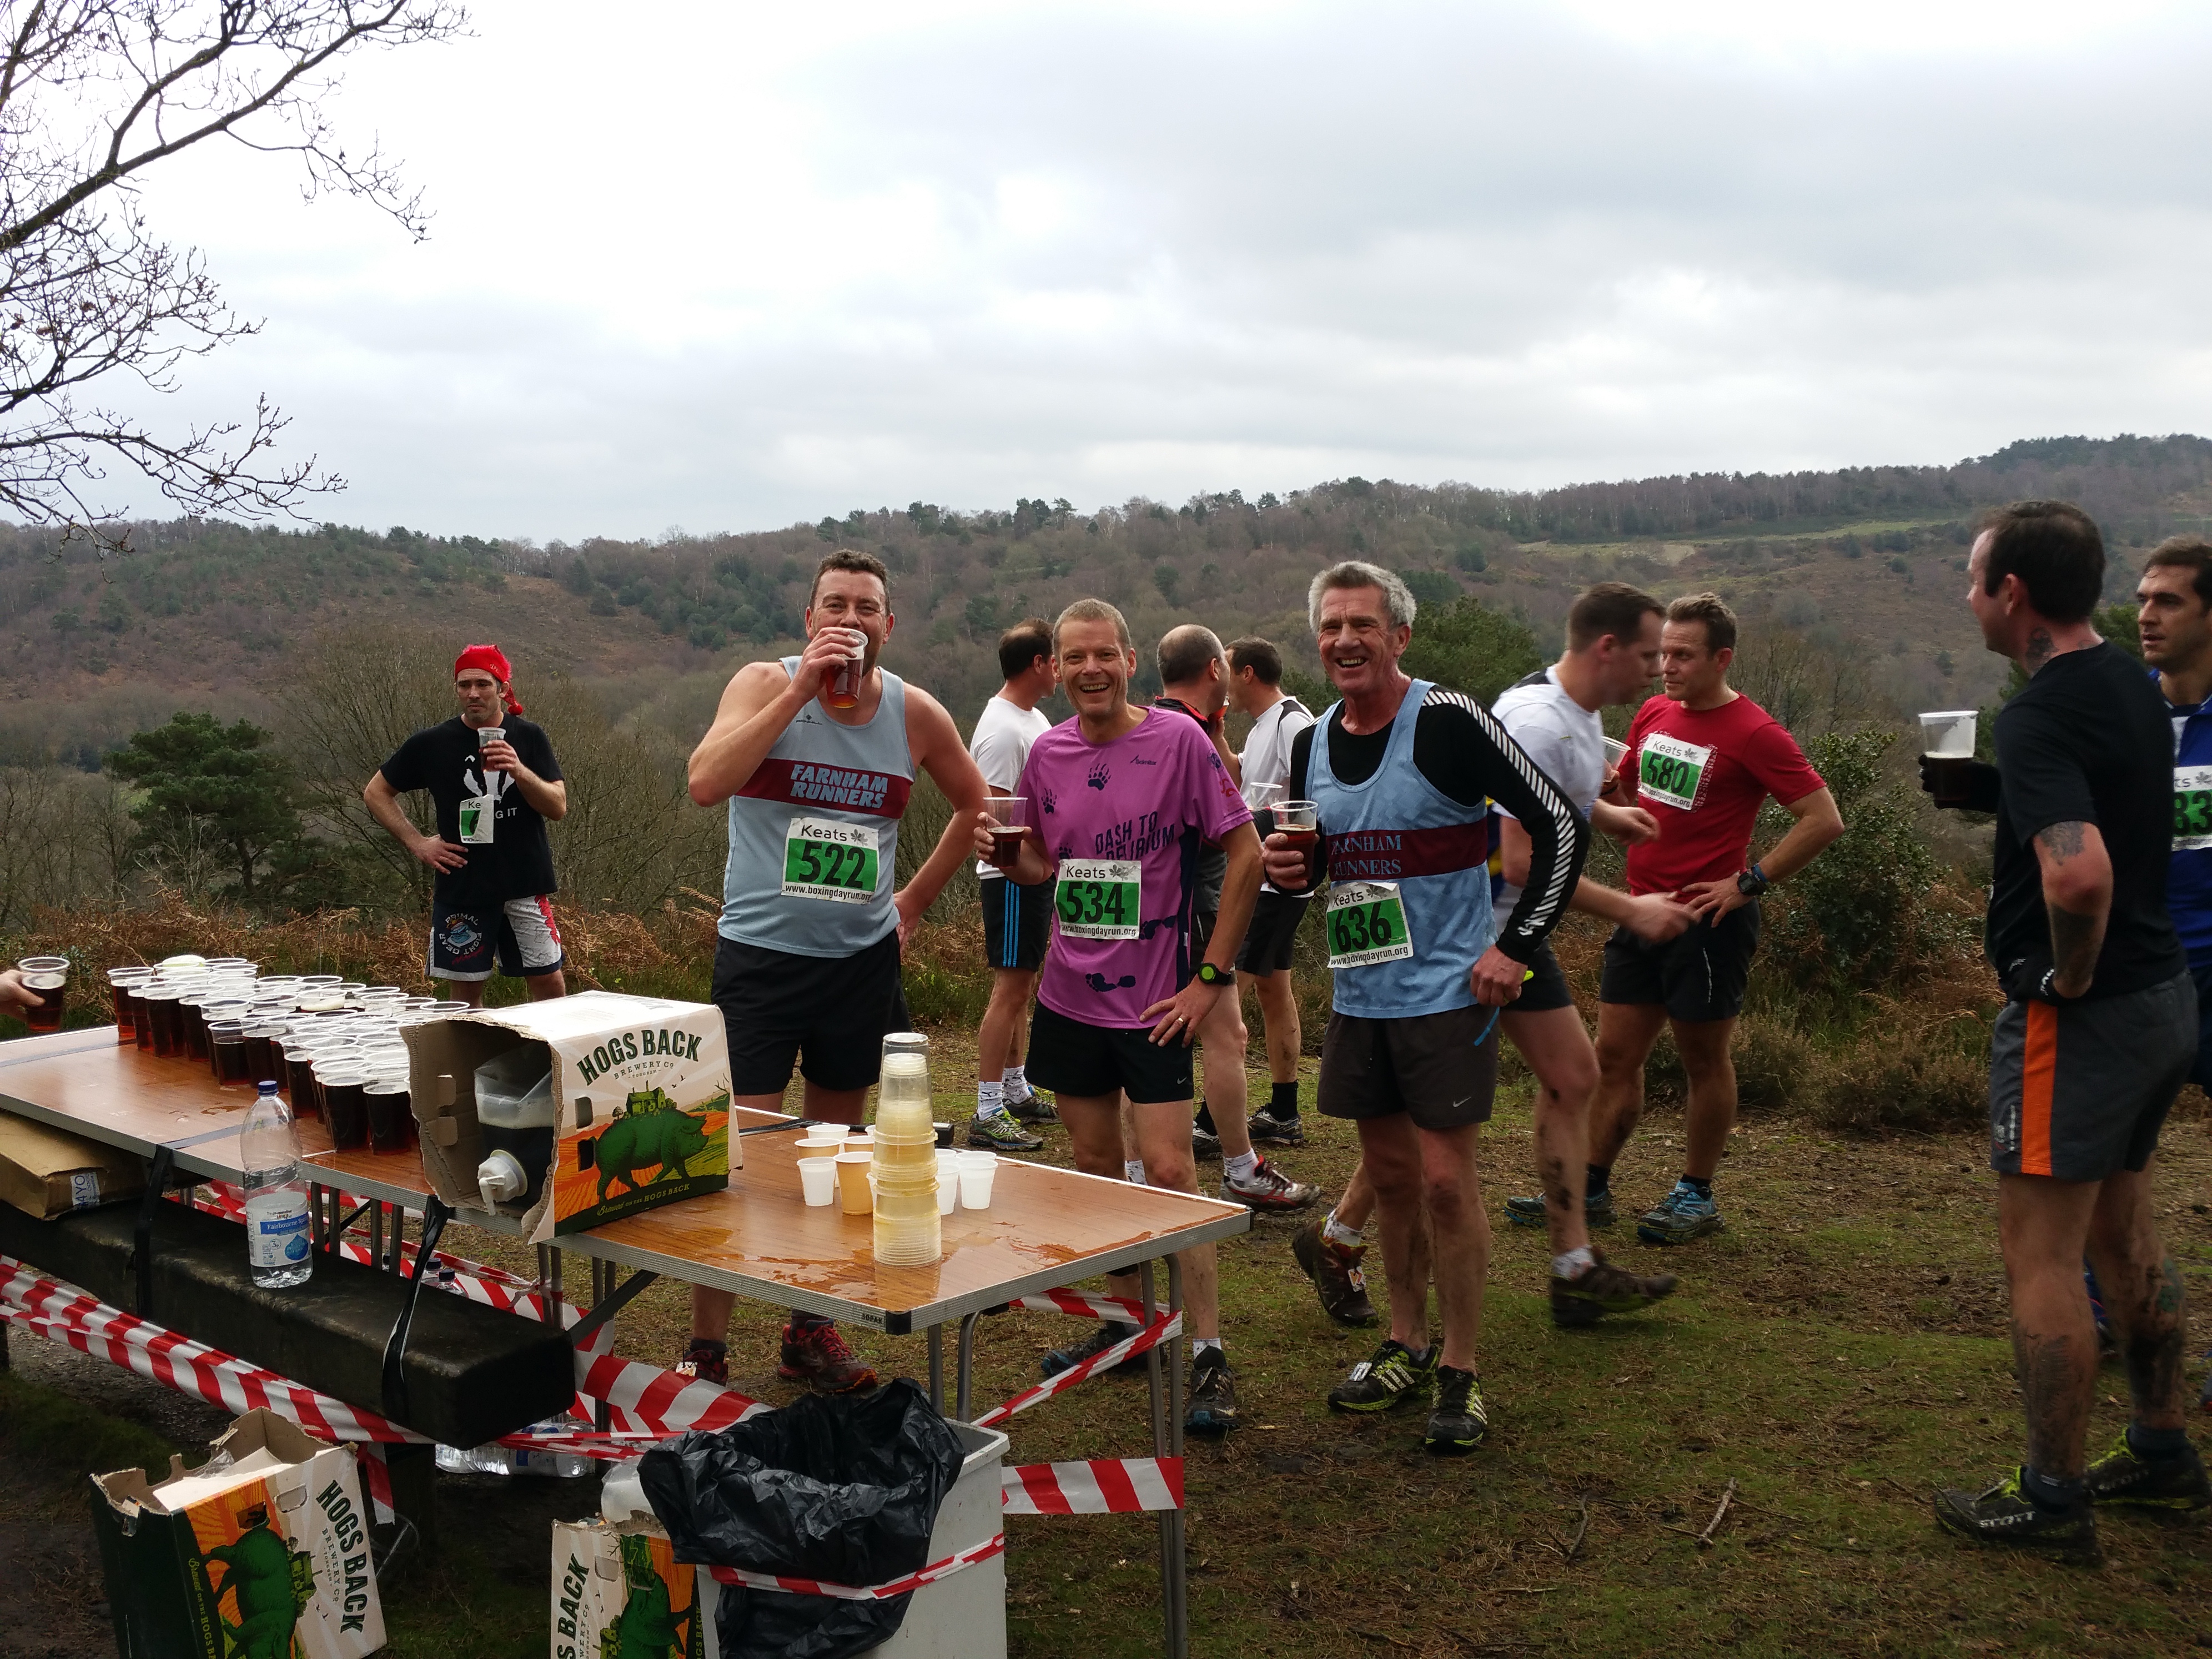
pixel 815 754
pixel 1403 773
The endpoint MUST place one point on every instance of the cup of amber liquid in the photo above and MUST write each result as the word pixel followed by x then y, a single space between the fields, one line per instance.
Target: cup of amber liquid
pixel 1006 838
pixel 47 978
pixel 1298 823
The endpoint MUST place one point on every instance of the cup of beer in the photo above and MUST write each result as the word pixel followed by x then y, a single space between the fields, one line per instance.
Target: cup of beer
pixel 1298 823
pixel 842 686
pixel 1947 737
pixel 48 978
pixel 855 1196
pixel 1006 838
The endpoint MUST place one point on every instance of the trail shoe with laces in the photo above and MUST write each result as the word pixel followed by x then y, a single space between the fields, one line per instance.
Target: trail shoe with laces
pixel 1458 1421
pixel 1109 1332
pixel 1210 1407
pixel 1603 1288
pixel 1392 1376
pixel 2005 1517
pixel 816 1354
pixel 1268 1130
pixel 1528 1212
pixel 996 1134
pixel 1035 1107
pixel 2175 1484
pixel 1679 1217
pixel 709 1362
pixel 1267 1188
pixel 1334 1270
pixel 1205 1144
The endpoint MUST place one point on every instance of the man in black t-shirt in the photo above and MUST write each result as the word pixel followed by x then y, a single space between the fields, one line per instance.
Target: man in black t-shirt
pixel 492 904
pixel 2098 1031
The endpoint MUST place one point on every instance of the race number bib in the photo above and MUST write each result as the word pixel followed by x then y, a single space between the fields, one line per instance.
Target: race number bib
pixel 1671 771
pixel 1099 898
pixel 2192 807
pixel 834 861
pixel 1367 924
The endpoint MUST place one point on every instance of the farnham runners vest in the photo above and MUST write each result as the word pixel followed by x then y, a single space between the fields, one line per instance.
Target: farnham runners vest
pixel 1399 827
pixel 814 833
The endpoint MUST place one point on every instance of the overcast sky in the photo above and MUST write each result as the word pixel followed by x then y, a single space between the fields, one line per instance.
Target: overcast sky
pixel 751 264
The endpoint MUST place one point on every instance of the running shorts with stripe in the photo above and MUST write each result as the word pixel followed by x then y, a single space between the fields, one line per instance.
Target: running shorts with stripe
pixel 2078 1091
pixel 1017 923
pixel 519 937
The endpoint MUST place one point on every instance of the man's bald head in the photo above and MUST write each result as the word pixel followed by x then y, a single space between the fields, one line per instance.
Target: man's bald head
pixel 1187 653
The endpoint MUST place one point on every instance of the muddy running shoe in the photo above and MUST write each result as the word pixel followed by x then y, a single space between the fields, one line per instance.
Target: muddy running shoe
pixel 816 1354
pixel 1459 1421
pixel 1109 1332
pixel 1604 1289
pixel 1268 1130
pixel 1205 1144
pixel 1679 1217
pixel 1211 1405
pixel 1393 1376
pixel 2005 1517
pixel 1334 1270
pixel 709 1362
pixel 1267 1188
pixel 1000 1134
pixel 1035 1107
pixel 2177 1484
pixel 1529 1211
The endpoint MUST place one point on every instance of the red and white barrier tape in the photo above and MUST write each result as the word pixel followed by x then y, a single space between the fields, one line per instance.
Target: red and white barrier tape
pixel 1106 1486
pixel 995 1545
pixel 1162 1328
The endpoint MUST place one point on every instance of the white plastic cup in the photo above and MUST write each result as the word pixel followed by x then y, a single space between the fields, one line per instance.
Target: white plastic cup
pixel 1615 752
pixel 977 1170
pixel 1948 734
pixel 815 1142
pixel 817 1179
pixel 948 1182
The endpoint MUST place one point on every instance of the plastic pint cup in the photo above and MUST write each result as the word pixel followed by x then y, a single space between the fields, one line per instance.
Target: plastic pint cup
pixel 1006 837
pixel 48 978
pixel 817 1180
pixel 854 1196
pixel 1298 823
pixel 1615 752
pixel 1947 737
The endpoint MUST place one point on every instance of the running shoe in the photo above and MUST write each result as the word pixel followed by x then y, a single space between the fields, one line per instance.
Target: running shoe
pixel 1603 1288
pixel 1211 1405
pixel 1267 1188
pixel 1458 1421
pixel 2005 1517
pixel 1000 1134
pixel 1679 1217
pixel 1109 1332
pixel 1268 1130
pixel 816 1354
pixel 1204 1143
pixel 709 1362
pixel 1035 1107
pixel 2123 1476
pixel 1391 1377
pixel 1334 1270
pixel 1529 1211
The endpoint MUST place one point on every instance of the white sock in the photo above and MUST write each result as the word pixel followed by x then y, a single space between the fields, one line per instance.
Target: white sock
pixel 1240 1166
pixel 1016 1086
pixel 990 1100
pixel 1337 1233
pixel 1198 1345
pixel 1573 1264
pixel 1132 1171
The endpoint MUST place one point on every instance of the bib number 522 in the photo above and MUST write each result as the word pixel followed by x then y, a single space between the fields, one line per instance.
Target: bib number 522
pixel 822 860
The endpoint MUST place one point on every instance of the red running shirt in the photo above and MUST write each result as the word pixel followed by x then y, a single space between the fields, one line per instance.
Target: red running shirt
pixel 1705 775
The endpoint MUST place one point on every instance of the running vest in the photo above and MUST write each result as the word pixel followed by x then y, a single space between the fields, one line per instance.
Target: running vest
pixel 1398 838
pixel 814 833
pixel 2188 876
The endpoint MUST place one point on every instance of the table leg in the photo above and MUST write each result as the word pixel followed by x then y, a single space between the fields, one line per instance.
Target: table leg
pixel 1178 1570
pixel 551 1305
pixel 965 1375
pixel 376 1232
pixel 396 1259
pixel 602 1285
pixel 936 1335
pixel 315 1214
pixel 1153 1358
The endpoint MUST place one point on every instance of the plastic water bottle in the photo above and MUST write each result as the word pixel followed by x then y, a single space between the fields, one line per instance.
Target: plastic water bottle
pixel 277 1245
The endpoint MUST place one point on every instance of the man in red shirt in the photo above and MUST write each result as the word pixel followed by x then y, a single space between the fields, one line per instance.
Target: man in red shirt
pixel 1703 759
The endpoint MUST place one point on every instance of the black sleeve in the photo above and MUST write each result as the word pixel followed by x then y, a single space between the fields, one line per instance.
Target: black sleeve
pixel 406 770
pixel 1475 758
pixel 2040 773
pixel 540 758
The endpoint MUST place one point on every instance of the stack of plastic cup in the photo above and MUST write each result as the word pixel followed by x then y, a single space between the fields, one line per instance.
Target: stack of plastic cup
pixel 906 1230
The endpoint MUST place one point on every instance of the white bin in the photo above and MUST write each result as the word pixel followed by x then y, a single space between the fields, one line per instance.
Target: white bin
pixel 962 1617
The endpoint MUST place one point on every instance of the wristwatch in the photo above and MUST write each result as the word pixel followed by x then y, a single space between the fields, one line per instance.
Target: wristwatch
pixel 1751 883
pixel 1209 974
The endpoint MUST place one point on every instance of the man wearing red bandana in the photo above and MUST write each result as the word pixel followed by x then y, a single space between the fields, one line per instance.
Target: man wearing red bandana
pixel 494 782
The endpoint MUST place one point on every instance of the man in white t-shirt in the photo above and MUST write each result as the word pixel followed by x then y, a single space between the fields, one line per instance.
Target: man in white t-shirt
pixel 1255 687
pixel 1016 919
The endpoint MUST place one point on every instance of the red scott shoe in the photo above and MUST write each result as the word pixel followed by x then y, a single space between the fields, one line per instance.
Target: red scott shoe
pixel 816 1354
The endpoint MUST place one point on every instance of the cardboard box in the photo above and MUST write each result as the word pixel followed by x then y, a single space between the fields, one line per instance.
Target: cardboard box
pixel 642 1089
pixel 46 1173
pixel 620 1591
pixel 260 1553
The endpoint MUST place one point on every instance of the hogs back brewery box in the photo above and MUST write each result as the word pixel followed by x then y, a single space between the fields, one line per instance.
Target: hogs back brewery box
pixel 45 1172
pixel 642 1097
pixel 620 1591
pixel 262 1552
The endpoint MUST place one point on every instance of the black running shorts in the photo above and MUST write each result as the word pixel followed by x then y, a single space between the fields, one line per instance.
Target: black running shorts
pixel 521 938
pixel 1699 975
pixel 827 1014
pixel 1017 923
pixel 1547 987
pixel 2078 1091
pixel 1071 1058
pixel 1267 941
pixel 1427 1066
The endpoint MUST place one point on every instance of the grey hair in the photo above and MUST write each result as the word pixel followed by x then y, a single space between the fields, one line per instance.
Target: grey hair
pixel 1397 597
pixel 1092 610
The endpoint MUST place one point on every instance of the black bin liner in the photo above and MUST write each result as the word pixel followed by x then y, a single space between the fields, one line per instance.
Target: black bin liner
pixel 839 1488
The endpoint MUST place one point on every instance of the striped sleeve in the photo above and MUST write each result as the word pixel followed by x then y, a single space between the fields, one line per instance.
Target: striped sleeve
pixel 1558 838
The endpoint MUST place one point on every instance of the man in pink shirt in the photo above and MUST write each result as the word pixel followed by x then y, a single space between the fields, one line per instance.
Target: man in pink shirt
pixel 1118 803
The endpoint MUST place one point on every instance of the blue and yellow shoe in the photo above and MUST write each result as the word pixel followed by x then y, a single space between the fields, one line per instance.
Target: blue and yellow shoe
pixel 1679 1217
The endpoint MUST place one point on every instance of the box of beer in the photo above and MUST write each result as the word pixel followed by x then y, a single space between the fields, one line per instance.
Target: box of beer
pixel 262 1550
pixel 621 1591
pixel 640 1111
pixel 45 1172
